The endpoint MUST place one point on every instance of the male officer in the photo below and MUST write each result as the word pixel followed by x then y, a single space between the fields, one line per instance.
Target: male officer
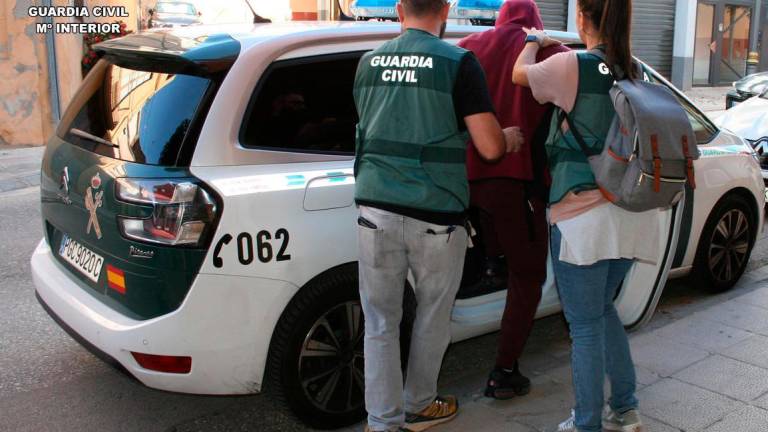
pixel 416 97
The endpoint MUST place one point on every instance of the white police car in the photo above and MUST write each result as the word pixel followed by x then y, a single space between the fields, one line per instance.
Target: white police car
pixel 199 222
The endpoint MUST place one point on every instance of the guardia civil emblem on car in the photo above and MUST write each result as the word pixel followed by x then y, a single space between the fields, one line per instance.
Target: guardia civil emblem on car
pixel 94 200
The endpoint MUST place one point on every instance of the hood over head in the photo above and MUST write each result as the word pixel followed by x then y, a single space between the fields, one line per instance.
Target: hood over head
pixel 497 50
pixel 524 13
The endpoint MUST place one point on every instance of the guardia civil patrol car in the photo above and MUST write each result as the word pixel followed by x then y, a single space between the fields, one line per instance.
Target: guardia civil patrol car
pixel 199 222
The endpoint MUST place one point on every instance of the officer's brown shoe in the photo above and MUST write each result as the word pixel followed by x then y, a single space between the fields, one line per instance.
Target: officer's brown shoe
pixel 441 410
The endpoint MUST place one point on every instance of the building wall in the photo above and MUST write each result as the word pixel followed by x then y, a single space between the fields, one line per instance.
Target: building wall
pixel 685 41
pixel 304 10
pixel 27 102
pixel 25 114
pixel 307 10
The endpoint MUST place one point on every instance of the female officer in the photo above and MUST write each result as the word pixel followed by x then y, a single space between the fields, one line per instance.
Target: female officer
pixel 593 242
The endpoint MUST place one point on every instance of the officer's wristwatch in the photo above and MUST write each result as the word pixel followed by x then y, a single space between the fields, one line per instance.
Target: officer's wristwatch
pixel 532 38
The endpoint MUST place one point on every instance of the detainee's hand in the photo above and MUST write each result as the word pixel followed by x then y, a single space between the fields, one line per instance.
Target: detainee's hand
pixel 544 39
pixel 514 138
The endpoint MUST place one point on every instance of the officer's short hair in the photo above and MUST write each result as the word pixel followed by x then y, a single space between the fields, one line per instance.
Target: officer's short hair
pixel 420 8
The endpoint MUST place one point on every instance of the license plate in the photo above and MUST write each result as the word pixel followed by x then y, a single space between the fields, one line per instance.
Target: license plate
pixel 81 258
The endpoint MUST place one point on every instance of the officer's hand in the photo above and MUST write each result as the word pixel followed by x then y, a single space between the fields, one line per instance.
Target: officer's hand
pixel 514 139
pixel 543 38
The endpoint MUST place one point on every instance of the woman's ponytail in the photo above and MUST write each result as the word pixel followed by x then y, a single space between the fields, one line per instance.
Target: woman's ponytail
pixel 613 19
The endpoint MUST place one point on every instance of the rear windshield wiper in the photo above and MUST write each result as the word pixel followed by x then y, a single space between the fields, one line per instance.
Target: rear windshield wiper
pixel 91 137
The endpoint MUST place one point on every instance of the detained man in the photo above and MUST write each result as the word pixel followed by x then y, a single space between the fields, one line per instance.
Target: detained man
pixel 512 194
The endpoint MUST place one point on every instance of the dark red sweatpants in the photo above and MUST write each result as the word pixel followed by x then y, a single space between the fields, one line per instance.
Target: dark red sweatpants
pixel 509 227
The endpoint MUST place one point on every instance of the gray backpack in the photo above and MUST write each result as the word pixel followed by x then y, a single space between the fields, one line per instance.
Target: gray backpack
pixel 649 150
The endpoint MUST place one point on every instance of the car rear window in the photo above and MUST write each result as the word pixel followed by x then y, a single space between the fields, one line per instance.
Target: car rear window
pixel 133 115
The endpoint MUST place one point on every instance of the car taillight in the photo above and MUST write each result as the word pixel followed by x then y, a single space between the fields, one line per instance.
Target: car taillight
pixel 183 211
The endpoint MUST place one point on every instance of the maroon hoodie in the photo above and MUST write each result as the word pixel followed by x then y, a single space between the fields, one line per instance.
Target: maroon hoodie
pixel 498 49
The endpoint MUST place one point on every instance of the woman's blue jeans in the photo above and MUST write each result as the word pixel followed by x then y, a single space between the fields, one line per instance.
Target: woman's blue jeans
pixel 599 342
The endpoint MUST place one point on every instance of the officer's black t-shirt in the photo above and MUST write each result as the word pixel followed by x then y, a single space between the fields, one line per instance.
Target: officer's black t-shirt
pixel 470 93
pixel 470 96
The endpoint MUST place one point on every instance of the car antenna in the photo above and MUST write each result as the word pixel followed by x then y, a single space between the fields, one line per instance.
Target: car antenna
pixel 257 19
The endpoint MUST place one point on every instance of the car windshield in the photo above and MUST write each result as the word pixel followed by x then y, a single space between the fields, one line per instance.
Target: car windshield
pixel 176 8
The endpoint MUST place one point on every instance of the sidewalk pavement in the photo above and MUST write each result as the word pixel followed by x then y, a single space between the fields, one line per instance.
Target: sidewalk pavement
pixel 711 100
pixel 20 168
pixel 705 372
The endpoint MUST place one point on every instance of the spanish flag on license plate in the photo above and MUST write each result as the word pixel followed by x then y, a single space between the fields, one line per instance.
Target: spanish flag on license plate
pixel 116 279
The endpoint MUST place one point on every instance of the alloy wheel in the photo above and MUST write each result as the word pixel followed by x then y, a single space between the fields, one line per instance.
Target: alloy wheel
pixel 729 246
pixel 331 360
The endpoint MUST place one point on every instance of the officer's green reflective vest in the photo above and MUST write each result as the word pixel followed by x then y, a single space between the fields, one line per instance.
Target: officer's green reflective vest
pixel 592 114
pixel 410 152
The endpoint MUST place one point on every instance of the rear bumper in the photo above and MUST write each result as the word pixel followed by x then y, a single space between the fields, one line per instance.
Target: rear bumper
pixel 225 324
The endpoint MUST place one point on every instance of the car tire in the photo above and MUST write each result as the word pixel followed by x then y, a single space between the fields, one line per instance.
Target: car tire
pixel 316 360
pixel 725 245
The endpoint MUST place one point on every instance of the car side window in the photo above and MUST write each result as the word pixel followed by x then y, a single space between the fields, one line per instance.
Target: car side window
pixel 304 105
pixel 704 129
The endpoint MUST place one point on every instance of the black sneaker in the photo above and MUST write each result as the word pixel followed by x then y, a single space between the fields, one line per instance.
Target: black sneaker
pixel 506 385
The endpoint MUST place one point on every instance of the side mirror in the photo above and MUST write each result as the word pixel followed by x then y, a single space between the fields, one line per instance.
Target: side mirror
pixel 199 13
pixel 258 19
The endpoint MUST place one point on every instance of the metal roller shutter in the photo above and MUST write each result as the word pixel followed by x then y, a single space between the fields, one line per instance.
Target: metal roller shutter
pixel 653 33
pixel 554 13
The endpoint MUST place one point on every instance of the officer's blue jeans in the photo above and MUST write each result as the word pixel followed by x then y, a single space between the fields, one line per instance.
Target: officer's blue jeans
pixel 599 342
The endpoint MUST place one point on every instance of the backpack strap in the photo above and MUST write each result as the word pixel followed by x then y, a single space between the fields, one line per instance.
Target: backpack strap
pixel 584 149
pixel 576 134
pixel 656 163
pixel 689 163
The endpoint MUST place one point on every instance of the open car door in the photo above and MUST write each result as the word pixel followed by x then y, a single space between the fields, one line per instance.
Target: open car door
pixel 645 282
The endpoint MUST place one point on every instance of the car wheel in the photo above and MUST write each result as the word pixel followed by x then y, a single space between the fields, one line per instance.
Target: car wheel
pixel 316 356
pixel 725 245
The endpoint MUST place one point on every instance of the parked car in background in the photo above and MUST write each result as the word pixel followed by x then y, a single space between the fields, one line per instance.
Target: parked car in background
pixel 749 120
pixel 173 14
pixel 199 221
pixel 745 88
